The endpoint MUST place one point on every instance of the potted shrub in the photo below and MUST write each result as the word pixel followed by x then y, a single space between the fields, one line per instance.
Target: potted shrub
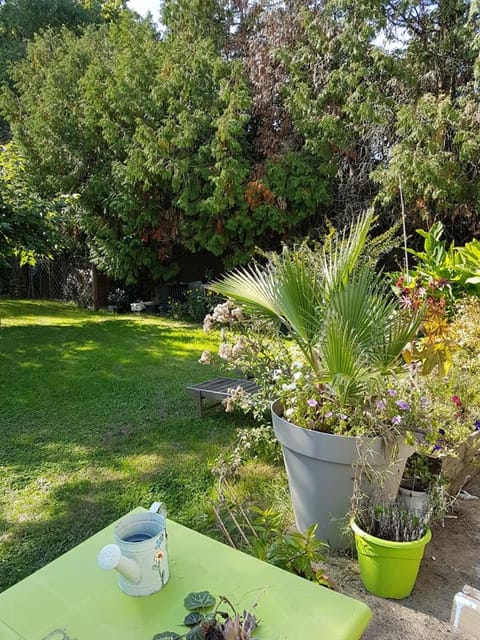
pixel 447 351
pixel 390 542
pixel 117 301
pixel 423 487
pixel 348 332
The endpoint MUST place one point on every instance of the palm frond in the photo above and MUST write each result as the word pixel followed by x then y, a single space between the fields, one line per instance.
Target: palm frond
pixel 284 290
pixel 340 257
pixel 253 287
pixel 342 362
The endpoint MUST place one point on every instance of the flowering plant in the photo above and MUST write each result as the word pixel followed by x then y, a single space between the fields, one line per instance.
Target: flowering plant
pixel 442 413
pixel 454 411
pixel 398 407
pixel 452 419
pixel 328 309
pixel 434 345
pixel 281 372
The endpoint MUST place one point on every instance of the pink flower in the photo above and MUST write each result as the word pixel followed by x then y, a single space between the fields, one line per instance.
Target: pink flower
pixel 312 402
pixel 457 402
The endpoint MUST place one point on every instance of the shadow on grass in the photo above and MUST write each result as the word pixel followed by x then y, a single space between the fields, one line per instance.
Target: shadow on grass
pixel 75 511
pixel 94 421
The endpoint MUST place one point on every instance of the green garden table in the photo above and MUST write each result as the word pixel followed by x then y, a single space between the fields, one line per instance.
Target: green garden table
pixel 72 599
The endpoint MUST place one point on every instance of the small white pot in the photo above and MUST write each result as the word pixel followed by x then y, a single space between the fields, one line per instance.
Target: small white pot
pixel 415 501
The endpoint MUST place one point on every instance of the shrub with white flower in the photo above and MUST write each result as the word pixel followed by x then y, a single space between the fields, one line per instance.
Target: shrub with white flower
pixel 259 350
pixel 445 412
pixel 250 349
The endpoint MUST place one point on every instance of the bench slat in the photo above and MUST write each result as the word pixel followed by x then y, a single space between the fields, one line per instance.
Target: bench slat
pixel 217 389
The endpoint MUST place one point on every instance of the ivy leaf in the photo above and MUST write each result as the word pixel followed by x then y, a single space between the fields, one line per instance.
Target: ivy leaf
pixel 196 633
pixel 166 635
pixel 193 619
pixel 199 600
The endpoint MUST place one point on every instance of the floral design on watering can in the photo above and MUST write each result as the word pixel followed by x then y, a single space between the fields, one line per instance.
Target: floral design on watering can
pixel 140 553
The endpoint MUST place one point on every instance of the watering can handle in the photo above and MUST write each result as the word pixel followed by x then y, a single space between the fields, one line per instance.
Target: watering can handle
pixel 159 507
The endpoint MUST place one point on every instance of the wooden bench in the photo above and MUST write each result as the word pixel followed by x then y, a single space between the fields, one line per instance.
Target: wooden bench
pixel 217 390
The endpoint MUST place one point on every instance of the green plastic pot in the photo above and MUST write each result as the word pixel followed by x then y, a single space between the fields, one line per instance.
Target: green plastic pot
pixel 388 569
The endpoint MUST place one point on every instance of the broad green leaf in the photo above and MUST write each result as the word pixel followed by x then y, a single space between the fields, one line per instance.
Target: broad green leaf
pixel 197 633
pixel 192 619
pixel 199 600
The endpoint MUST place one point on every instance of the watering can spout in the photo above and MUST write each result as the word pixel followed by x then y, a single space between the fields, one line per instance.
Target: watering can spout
pixel 110 557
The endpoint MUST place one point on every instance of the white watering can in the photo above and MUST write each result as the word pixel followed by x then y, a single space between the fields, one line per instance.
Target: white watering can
pixel 140 552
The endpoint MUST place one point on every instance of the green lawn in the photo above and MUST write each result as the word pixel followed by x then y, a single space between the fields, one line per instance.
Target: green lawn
pixel 94 420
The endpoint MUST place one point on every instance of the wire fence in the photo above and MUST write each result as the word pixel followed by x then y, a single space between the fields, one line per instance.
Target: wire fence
pixel 65 278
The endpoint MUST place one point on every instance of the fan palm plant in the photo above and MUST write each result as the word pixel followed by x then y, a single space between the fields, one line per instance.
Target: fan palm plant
pixel 351 331
pixel 335 306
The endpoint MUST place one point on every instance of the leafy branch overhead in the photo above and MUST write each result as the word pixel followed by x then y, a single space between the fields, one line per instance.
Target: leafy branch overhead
pixel 213 625
pixel 243 124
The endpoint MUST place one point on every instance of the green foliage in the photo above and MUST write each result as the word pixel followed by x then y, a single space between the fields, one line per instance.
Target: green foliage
pixel 131 435
pixel 30 226
pixel 196 19
pixel 437 148
pixel 435 151
pixel 199 600
pixel 342 318
pixel 154 142
pixel 418 468
pixel 264 533
pixel 435 261
pixel 255 443
pixel 299 553
pixel 21 19
pixel 339 96
pixel 195 307
pixel 215 624
pixel 193 618
pixel 448 272
pixel 236 125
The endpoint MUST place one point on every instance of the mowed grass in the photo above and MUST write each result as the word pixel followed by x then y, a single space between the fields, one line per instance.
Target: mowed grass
pixel 94 420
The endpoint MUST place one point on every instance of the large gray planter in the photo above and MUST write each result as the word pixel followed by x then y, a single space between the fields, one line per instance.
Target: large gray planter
pixel 321 470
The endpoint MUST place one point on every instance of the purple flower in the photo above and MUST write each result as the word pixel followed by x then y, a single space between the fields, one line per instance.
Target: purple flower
pixel 424 402
pixel 343 416
pixel 397 420
pixel 381 405
pixel 440 442
pixel 329 414
pixel 392 392
pixel 312 402
pixel 402 404
pixel 476 424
